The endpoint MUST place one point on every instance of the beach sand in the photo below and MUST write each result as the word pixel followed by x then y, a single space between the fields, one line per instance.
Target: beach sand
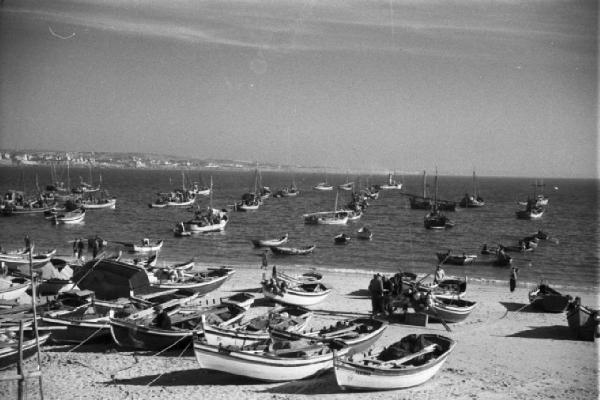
pixel 501 353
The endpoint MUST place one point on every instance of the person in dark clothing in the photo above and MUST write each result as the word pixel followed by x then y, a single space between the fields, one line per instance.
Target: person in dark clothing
pixel 513 278
pixel 95 247
pixel 388 291
pixel 80 247
pixel 162 320
pixel 376 291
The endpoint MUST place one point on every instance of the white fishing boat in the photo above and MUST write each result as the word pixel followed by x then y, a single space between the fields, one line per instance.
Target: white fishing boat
pixel 382 370
pixel 11 287
pixel 391 184
pixel 305 295
pixel 69 217
pixel 98 204
pixel 204 221
pixel 335 217
pixel 265 363
pixel 270 242
pixel 256 330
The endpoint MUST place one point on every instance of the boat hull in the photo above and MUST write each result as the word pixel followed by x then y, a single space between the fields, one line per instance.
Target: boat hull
pixel 257 365
pixel 355 376
pixel 296 297
pixel 9 355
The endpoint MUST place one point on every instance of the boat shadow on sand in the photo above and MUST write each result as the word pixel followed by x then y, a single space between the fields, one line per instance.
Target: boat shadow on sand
pixel 520 307
pixel 186 377
pixel 323 383
pixel 555 332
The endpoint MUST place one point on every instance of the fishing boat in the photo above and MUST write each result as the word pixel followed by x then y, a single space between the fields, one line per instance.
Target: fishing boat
pixel 306 277
pixel 335 217
pixel 242 299
pixel 391 184
pixel 364 233
pixel 12 287
pixel 103 201
pixel 256 330
pixel 293 251
pixel 270 242
pixel 358 334
pixel 451 287
pixel 304 295
pixel 410 362
pixel 446 309
pixel 249 202
pixel 342 238
pixel 544 298
pixel 435 219
pixel 9 345
pixel 200 282
pixel 531 211
pixel 69 217
pixel 19 260
pixel 265 362
pixel 204 221
pixel 144 246
pixel 88 322
pixel 323 186
pixel 472 200
pixel 447 258
pixel 140 331
pixel 583 321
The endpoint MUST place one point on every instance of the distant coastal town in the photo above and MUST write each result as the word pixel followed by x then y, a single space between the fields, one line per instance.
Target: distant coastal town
pixel 133 160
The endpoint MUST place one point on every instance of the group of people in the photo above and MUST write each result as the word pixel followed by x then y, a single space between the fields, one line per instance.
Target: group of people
pixel 95 244
pixel 382 290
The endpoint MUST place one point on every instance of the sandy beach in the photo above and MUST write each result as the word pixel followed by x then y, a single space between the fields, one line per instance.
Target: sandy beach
pixel 504 351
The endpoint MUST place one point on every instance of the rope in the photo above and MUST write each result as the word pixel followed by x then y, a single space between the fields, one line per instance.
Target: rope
pixel 114 374
pixel 179 356
pixel 100 258
pixel 86 339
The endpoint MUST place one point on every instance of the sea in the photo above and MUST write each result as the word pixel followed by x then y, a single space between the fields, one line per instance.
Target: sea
pixel 568 259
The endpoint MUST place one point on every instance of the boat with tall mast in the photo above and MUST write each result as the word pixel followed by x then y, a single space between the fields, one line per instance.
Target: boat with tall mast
pixel 391 184
pixel 435 219
pixel 472 200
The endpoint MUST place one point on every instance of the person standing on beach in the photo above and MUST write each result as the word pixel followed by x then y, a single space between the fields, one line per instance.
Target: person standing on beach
pixel 27 243
pixel 80 246
pixel 376 291
pixel 265 261
pixel 513 278
pixel 95 247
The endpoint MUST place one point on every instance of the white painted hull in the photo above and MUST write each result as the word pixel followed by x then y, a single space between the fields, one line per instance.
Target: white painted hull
pixel 69 218
pixel 391 187
pixel 180 203
pixel 197 228
pixel 12 291
pixel 109 204
pixel 259 366
pixel 356 378
pixel 297 298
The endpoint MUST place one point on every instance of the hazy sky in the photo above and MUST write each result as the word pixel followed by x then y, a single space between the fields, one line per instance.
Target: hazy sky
pixel 505 87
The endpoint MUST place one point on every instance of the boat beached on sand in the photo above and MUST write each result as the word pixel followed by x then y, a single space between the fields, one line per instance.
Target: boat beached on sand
pixel 305 294
pixel 410 362
pixel 271 362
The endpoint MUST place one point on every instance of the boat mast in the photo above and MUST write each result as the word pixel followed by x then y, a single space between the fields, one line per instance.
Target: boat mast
pixel 424 184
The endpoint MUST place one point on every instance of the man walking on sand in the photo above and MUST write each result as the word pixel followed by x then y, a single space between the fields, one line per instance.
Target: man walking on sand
pixel 265 261
pixel 513 278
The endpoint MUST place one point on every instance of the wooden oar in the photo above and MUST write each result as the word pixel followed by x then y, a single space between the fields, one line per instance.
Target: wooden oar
pixel 426 350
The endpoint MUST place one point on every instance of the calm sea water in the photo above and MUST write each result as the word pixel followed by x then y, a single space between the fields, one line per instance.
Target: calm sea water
pixel 400 241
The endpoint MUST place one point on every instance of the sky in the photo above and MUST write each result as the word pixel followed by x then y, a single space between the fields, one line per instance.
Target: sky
pixel 506 88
